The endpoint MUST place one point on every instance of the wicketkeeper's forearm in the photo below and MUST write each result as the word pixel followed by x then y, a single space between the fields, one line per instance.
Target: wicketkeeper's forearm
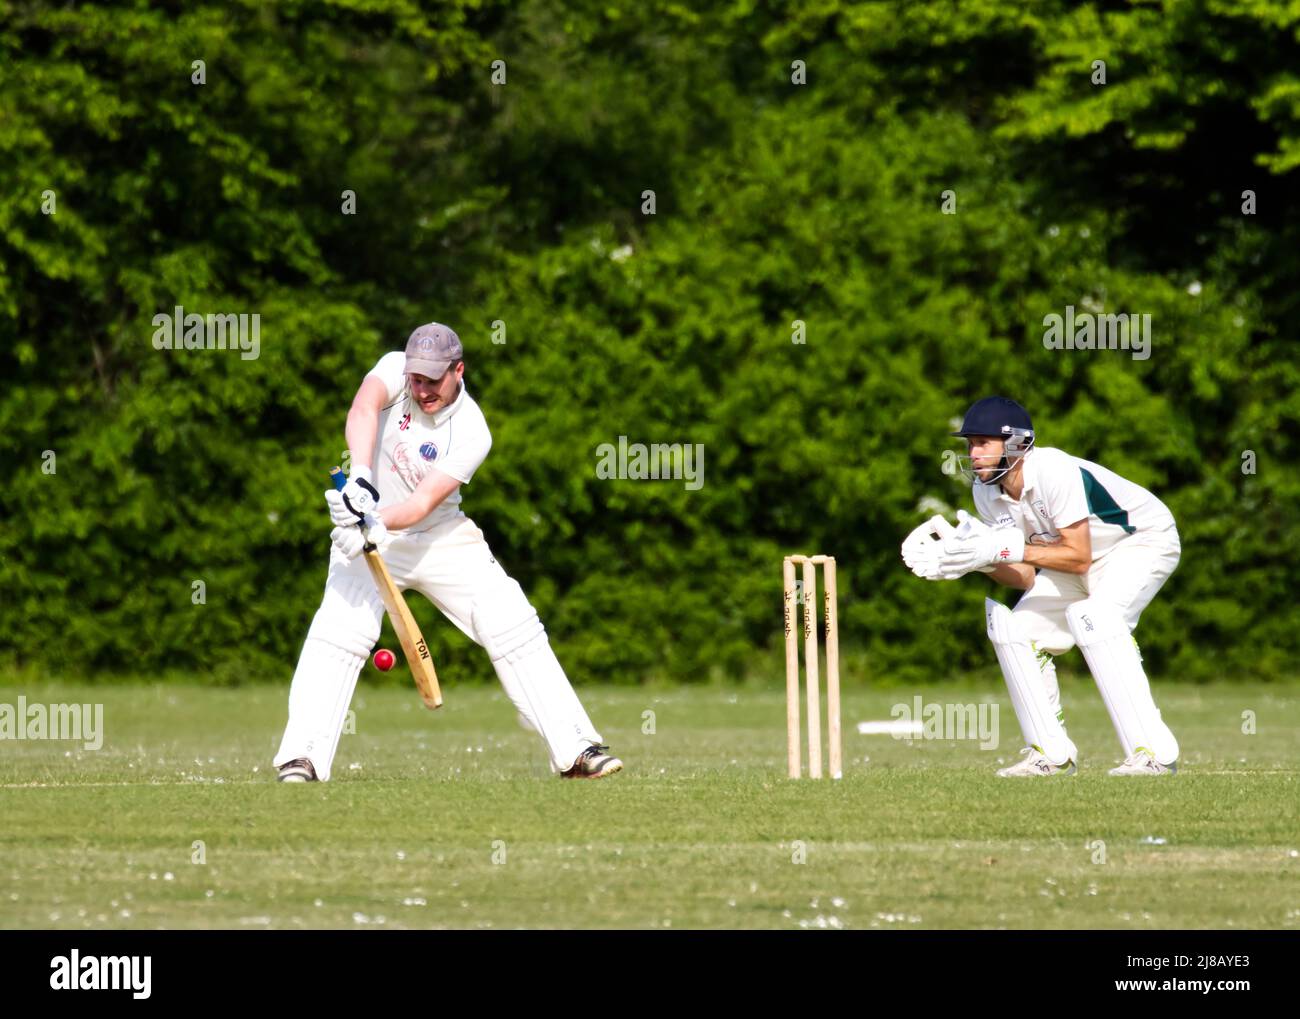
pixel 1017 575
pixel 1057 557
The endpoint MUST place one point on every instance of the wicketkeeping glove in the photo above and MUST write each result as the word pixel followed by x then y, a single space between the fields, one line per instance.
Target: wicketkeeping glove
pixel 938 551
pixel 967 527
pixel 921 549
pixel 976 546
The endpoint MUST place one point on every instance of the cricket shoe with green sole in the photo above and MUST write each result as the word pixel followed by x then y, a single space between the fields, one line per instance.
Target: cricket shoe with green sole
pixel 593 763
pixel 1143 762
pixel 1035 764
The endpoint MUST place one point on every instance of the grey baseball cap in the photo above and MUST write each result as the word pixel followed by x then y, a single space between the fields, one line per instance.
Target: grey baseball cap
pixel 431 350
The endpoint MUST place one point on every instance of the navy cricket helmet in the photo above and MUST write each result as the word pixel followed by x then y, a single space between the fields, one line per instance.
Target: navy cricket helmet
pixel 1001 418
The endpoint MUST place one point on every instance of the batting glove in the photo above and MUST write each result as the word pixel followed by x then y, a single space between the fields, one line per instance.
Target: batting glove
pixel 376 532
pixel 349 541
pixel 340 515
pixel 360 495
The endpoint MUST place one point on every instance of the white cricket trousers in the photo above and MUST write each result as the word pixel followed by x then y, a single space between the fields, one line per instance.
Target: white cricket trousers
pixel 454 568
pixel 1126 578
pixel 1098 612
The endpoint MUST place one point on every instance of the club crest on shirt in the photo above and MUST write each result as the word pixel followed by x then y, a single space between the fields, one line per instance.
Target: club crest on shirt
pixel 429 451
pixel 405 423
pixel 403 467
pixel 1040 508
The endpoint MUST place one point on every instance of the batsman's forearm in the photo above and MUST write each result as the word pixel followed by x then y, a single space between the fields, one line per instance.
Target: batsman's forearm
pixel 420 503
pixel 402 515
pixel 360 431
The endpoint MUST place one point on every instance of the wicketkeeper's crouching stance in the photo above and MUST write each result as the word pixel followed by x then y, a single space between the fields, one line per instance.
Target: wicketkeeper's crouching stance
pixel 416 437
pixel 1090 550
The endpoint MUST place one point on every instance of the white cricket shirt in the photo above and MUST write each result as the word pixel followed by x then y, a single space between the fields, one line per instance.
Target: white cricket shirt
pixel 412 443
pixel 1061 490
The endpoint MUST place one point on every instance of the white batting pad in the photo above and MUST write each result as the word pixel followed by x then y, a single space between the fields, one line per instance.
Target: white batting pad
pixel 344 630
pixel 531 675
pixel 1031 692
pixel 1112 654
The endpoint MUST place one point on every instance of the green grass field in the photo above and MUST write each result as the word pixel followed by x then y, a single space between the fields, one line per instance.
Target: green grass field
pixel 453 820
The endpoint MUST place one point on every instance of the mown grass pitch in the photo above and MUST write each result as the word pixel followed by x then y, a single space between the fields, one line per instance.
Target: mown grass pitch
pixel 453 820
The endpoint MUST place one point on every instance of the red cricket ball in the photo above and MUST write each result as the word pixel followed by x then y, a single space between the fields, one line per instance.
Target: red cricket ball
pixel 384 660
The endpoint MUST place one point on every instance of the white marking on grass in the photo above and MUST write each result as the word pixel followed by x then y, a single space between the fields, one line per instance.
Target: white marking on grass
pixel 891 727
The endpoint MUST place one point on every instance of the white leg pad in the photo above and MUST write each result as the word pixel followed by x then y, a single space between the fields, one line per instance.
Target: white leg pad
pixel 1031 692
pixel 344 630
pixel 531 676
pixel 1112 654
pixel 1047 668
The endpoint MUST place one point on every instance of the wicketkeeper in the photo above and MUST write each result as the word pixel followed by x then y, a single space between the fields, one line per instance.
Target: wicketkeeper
pixel 1090 550
pixel 415 437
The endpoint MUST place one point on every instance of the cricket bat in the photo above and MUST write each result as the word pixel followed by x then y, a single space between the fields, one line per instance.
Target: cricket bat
pixel 408 633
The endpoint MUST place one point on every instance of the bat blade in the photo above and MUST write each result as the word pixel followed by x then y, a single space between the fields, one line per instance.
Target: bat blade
pixel 414 647
pixel 408 633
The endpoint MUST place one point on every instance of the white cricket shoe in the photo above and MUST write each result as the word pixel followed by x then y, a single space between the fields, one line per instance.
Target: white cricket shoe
pixel 1036 765
pixel 1143 762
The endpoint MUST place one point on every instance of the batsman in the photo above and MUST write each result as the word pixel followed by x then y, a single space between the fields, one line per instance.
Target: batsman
pixel 1090 550
pixel 415 437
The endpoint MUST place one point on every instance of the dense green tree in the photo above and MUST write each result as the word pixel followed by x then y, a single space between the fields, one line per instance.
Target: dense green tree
pixel 480 201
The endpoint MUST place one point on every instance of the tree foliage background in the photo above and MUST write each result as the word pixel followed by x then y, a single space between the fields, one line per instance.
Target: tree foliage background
pixel 479 202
